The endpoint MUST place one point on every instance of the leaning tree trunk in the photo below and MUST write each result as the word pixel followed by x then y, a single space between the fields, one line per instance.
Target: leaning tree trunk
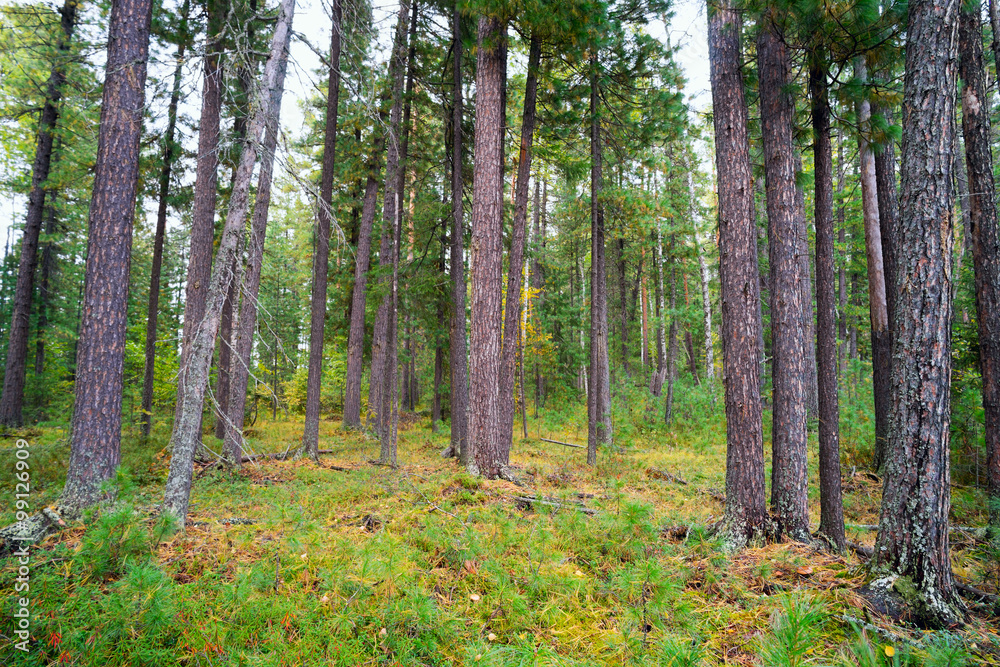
pixel 363 251
pixel 195 379
pixel 485 441
pixel 382 386
pixel 746 510
pixel 153 308
pixel 789 472
pixel 12 398
pixel 321 256
pixel 199 270
pixel 512 311
pixel 985 237
pixel 95 437
pixel 831 519
pixel 456 335
pixel 911 551
pixel 599 427
pixel 246 322
pixel 881 358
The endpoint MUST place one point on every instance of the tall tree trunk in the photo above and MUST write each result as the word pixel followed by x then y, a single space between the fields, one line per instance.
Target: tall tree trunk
pixel 12 398
pixel 746 510
pixel 321 256
pixel 599 427
pixel 706 305
pixel 881 359
pixel 485 438
pixel 831 519
pixel 382 386
pixel 199 269
pixel 789 472
pixel 95 438
pixel 622 306
pixel 44 288
pixel 246 321
pixel 808 324
pixel 912 551
pixel 153 308
pixel 656 381
pixel 363 251
pixel 888 216
pixel 456 345
pixel 537 280
pixel 195 378
pixel 842 270
pixel 668 410
pixel 410 390
pixel 512 310
pixel 985 237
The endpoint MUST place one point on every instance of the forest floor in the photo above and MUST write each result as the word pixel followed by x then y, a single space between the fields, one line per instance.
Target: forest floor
pixel 348 563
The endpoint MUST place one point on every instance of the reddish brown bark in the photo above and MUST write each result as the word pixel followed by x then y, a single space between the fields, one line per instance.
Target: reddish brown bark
pixel 485 441
pixel 746 512
pixel 789 473
pixel 95 438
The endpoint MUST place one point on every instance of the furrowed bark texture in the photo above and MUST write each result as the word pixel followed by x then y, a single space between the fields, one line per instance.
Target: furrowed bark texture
pixel 153 307
pixel 382 385
pixel 321 256
pixel 985 238
pixel 512 310
pixel 878 309
pixel 746 511
pixel 95 438
pixel 789 474
pixel 599 428
pixel 246 322
pixel 12 398
pixel 194 380
pixel 912 551
pixel 199 270
pixel 485 441
pixel 831 520
pixel 456 345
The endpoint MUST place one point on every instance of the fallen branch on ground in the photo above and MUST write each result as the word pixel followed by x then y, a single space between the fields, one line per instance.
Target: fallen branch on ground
pixel 564 444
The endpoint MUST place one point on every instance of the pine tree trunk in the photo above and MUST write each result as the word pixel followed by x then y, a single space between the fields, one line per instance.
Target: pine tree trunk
pixel 194 380
pixel 321 257
pixel 457 337
pixel 44 288
pixel 537 281
pixel 706 305
pixel 599 427
pixel 985 237
pixel 656 381
pixel 911 551
pixel 246 322
pixel 12 398
pixel 153 308
pixel 831 520
pixel 199 269
pixel 808 320
pixel 410 390
pixel 888 216
pixel 842 270
pixel 383 386
pixel 789 473
pixel 668 411
pixel 512 310
pixel 746 511
pixel 881 359
pixel 485 438
pixel 95 438
pixel 363 251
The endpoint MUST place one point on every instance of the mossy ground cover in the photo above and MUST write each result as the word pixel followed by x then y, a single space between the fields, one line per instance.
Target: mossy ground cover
pixel 349 563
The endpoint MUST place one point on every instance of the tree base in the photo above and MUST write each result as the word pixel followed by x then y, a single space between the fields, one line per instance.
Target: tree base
pixel 900 599
pixel 32 530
